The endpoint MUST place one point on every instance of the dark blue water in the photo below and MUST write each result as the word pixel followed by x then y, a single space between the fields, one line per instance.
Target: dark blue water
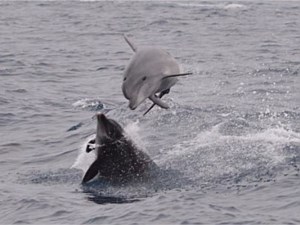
pixel 229 145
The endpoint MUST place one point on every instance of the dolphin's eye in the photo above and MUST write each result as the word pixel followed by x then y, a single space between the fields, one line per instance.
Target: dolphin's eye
pixel 124 78
pixel 110 132
pixel 144 78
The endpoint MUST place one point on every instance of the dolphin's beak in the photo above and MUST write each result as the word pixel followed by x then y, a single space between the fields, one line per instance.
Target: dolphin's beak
pixel 101 118
pixel 102 122
pixel 133 104
pixel 136 100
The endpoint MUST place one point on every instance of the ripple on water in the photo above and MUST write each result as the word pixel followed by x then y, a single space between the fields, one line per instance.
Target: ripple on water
pixel 20 90
pixel 7 118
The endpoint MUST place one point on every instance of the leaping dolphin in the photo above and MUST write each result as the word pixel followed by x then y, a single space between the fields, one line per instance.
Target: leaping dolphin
pixel 150 74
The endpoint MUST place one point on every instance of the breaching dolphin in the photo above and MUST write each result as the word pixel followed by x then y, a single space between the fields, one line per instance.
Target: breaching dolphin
pixel 150 74
pixel 117 158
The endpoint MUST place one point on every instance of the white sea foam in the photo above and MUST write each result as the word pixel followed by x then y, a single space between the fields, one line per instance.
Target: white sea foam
pixel 235 6
pixel 89 104
pixel 212 154
pixel 231 6
pixel 194 4
pixel 212 137
pixel 133 132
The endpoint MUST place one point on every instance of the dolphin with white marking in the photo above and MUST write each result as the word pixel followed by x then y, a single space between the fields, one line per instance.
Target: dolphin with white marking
pixel 118 159
pixel 150 74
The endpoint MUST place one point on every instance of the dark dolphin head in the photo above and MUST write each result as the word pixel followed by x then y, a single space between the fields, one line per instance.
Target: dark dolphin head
pixel 107 129
pixel 117 159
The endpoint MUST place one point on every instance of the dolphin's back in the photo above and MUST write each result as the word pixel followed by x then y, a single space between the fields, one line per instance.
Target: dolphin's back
pixel 124 162
pixel 152 62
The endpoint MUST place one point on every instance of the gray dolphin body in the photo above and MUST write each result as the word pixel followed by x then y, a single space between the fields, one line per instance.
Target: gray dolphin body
pixel 118 159
pixel 150 71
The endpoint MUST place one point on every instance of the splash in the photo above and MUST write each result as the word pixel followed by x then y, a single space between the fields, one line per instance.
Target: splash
pixel 89 104
pixel 132 132
pixel 219 155
pixel 211 156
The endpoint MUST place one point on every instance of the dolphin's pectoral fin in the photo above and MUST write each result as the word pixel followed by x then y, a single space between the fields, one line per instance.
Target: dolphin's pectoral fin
pixel 159 102
pixel 161 94
pixel 164 92
pixel 91 172
pixel 89 146
pixel 130 43
pixel 177 75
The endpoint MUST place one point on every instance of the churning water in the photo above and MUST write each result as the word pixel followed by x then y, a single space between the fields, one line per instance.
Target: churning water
pixel 229 146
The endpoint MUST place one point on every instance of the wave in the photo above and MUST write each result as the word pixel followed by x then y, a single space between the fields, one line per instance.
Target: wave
pixel 230 6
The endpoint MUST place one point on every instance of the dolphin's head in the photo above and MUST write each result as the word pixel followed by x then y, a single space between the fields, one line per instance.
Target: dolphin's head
pixel 107 129
pixel 147 74
pixel 138 90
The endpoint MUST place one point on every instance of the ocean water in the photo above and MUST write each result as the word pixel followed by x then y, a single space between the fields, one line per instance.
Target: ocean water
pixel 229 145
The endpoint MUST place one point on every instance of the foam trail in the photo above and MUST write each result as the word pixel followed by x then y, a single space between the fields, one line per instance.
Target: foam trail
pixel 273 140
pixel 212 156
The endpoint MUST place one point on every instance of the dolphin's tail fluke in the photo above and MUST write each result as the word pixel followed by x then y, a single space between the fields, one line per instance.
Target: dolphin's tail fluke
pixel 130 43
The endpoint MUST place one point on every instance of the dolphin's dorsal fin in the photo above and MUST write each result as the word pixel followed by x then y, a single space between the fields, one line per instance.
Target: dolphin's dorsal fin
pixel 130 43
